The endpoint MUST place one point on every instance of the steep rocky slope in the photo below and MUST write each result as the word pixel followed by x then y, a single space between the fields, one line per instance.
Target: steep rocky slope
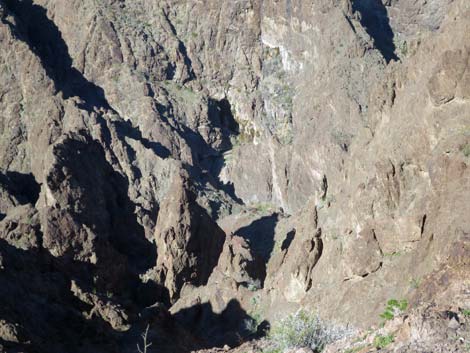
pixel 203 168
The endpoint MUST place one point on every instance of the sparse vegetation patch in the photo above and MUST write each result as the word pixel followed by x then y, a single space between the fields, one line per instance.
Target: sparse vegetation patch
pixel 383 341
pixel 394 308
pixel 305 330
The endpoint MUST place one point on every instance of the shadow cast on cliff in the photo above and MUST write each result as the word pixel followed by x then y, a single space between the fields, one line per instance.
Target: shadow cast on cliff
pixel 36 295
pixel 374 18
pixel 45 40
pixel 35 288
pixel 102 204
pixel 103 195
pixel 221 118
pixel 23 187
pixel 125 128
pixel 208 161
pixel 231 327
pixel 260 235
pixel 182 50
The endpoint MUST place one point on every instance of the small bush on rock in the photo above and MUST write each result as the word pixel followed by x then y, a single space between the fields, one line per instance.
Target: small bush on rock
pixel 305 330
pixel 383 341
pixel 394 308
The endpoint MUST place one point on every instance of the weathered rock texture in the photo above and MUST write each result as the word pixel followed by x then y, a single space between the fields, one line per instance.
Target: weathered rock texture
pixel 188 241
pixel 205 168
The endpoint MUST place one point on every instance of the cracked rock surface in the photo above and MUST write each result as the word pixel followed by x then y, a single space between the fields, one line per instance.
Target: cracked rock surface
pixel 197 170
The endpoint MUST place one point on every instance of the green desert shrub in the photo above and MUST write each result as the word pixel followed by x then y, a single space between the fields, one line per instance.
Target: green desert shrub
pixel 466 312
pixel 394 308
pixel 305 330
pixel 383 341
pixel 466 150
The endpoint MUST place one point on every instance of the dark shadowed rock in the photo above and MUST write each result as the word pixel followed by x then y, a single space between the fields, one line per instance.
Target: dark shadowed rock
pixel 205 168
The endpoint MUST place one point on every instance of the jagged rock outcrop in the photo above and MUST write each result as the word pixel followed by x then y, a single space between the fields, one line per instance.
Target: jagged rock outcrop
pixel 240 264
pixel 189 242
pixel 290 267
pixel 234 160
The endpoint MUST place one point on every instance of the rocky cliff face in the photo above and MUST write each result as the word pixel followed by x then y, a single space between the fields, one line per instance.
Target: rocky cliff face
pixel 205 168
